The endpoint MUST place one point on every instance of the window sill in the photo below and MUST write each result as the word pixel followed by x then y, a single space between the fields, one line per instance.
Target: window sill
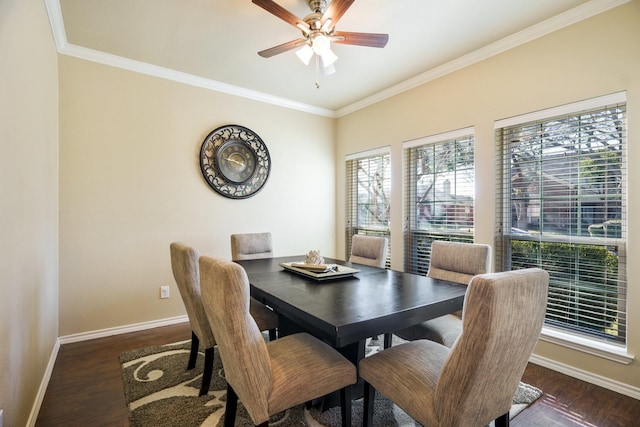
pixel 597 348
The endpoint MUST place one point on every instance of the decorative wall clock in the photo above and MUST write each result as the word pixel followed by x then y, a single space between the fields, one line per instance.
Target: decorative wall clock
pixel 234 161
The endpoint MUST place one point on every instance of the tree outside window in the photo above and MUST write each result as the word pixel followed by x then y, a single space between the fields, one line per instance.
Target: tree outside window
pixel 440 195
pixel 563 209
pixel 368 197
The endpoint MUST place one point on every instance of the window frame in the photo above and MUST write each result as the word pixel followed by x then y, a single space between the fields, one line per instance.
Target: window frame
pixel 417 240
pixel 558 334
pixel 352 225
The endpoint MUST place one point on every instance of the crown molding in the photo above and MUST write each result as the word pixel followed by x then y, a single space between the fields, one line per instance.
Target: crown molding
pixel 57 24
pixel 65 48
pixel 570 17
pixel 189 79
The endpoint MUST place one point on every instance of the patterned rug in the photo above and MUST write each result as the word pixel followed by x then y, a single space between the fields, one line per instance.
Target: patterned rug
pixel 159 391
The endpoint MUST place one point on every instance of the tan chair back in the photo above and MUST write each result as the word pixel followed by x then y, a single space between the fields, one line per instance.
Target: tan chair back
pixel 251 246
pixel 458 262
pixel 369 250
pixel 225 296
pixel 502 317
pixel 184 264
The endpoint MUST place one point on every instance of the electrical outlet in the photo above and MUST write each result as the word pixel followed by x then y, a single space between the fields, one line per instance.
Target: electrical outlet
pixel 164 293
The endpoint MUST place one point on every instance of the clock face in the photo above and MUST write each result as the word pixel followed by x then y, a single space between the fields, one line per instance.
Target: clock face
pixel 234 161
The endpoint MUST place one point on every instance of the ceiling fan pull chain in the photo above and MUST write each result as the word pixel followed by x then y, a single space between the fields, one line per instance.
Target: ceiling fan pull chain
pixel 317 68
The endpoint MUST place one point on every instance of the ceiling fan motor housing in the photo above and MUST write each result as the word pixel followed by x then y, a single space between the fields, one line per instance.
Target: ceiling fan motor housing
pixel 314 21
pixel 317 6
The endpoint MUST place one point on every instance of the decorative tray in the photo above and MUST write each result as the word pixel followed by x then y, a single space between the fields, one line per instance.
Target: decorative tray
pixel 319 271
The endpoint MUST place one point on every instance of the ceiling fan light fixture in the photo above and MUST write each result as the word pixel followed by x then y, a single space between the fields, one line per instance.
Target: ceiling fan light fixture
pixel 318 33
pixel 304 27
pixel 327 70
pixel 326 27
pixel 305 53
pixel 328 58
pixel 320 44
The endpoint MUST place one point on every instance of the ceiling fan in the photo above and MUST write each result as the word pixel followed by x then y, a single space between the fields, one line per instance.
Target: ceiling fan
pixel 318 32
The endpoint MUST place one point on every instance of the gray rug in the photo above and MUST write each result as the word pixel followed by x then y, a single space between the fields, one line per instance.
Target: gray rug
pixel 159 391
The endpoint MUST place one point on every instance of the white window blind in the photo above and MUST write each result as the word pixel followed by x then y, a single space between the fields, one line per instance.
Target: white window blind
pixel 439 183
pixel 561 205
pixel 368 177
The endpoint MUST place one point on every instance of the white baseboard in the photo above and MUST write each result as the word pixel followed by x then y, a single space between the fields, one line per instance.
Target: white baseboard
pixel 586 376
pixel 85 336
pixel 35 409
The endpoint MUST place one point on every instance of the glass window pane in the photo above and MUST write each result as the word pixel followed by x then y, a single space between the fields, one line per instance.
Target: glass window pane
pixel 440 196
pixel 368 197
pixel 563 209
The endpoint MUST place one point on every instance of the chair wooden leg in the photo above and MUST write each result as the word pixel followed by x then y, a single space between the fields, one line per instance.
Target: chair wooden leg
pixel 388 338
pixel 502 420
pixel 231 407
pixel 345 405
pixel 369 400
pixel 208 371
pixel 272 334
pixel 193 355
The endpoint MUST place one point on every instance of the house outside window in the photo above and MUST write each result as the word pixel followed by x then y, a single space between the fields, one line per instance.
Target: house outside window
pixel 439 188
pixel 368 177
pixel 561 206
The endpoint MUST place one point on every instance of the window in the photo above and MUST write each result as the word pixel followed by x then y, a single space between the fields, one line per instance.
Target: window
pixel 368 195
pixel 440 193
pixel 561 205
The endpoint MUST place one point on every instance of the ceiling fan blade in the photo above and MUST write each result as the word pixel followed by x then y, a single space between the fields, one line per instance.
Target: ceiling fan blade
pixel 282 13
pixel 335 10
pixel 284 47
pixel 360 39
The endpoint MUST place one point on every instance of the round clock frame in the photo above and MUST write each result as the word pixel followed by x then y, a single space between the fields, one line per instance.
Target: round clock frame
pixel 235 162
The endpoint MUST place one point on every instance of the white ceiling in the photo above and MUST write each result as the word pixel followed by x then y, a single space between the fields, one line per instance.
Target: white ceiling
pixel 216 41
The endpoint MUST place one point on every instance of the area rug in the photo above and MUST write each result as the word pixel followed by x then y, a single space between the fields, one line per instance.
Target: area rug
pixel 159 391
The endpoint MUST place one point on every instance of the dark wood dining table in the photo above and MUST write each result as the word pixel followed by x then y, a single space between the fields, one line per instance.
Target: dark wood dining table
pixel 344 312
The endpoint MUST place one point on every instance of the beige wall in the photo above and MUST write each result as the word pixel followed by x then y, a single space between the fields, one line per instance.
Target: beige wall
pixel 595 57
pixel 29 204
pixel 130 184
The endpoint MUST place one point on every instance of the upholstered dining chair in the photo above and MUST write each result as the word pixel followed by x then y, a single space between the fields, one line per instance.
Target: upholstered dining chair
pixel 251 246
pixel 456 262
pixel 473 382
pixel 267 377
pixel 369 250
pixel 184 264
pixel 372 251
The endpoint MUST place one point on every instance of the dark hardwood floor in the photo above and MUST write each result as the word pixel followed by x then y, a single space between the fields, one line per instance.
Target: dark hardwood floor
pixel 86 388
